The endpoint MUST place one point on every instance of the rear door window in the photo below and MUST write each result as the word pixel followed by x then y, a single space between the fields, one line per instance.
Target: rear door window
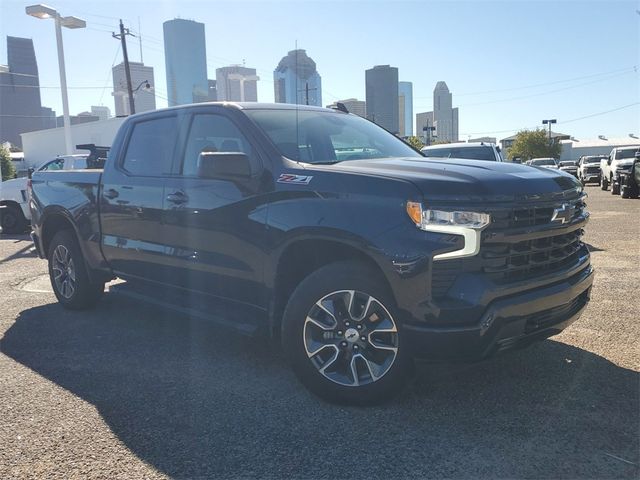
pixel 151 147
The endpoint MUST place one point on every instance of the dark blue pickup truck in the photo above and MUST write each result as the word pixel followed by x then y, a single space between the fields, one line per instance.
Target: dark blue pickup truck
pixel 323 230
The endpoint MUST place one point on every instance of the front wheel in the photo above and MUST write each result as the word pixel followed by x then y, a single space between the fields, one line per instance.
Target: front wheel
pixel 604 184
pixel 342 338
pixel 68 273
pixel 615 188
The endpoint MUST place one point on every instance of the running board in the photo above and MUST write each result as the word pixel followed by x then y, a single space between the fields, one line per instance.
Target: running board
pixel 196 306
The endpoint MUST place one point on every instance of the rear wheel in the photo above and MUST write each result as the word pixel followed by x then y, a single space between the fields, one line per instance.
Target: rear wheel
pixel 13 220
pixel 68 273
pixel 342 338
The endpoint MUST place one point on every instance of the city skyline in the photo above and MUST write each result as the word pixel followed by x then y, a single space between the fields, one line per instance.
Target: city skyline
pixel 296 80
pixel 496 100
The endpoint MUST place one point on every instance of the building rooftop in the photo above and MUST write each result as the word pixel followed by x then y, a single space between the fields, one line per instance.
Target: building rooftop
pixel 603 142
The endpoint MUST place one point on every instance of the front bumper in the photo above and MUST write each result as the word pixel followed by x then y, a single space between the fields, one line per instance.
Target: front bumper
pixel 509 322
pixel 591 177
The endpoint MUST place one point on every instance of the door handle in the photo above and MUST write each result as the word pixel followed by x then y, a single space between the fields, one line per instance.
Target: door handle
pixel 111 194
pixel 178 197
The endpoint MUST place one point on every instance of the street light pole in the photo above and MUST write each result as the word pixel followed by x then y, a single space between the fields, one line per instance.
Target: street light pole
pixel 43 12
pixel 68 142
pixel 549 122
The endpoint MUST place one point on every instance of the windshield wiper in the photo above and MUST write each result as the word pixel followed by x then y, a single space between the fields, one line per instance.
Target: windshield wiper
pixel 331 162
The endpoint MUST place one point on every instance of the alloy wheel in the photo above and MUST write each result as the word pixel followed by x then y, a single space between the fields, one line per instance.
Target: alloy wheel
pixel 350 338
pixel 64 273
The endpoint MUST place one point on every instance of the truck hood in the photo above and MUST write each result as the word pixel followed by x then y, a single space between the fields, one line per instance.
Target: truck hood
pixel 470 180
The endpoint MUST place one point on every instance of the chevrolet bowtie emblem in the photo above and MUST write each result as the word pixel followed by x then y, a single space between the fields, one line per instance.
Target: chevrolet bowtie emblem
pixel 563 213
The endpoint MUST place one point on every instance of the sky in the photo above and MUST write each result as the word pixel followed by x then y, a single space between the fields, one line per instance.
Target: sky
pixel 509 64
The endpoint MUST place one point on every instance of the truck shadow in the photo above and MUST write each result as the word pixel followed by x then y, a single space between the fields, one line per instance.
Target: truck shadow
pixel 194 401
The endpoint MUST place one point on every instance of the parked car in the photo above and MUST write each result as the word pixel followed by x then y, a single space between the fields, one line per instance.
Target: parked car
pixel 619 160
pixel 543 162
pixel 14 197
pixel 589 168
pixel 243 214
pixel 2 207
pixel 569 166
pixel 470 151
pixel 630 181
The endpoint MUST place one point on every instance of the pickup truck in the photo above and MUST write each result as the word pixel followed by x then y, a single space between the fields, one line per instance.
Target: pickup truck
pixel 252 216
pixel 630 180
pixel 589 168
pixel 619 161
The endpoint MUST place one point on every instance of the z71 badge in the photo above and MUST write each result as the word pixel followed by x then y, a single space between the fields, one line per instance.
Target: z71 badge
pixel 297 179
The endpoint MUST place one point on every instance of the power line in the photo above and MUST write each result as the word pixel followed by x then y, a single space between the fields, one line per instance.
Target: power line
pixel 597 114
pixel 583 77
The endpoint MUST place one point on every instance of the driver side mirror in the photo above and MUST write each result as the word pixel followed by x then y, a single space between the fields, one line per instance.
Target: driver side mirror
pixel 30 171
pixel 224 165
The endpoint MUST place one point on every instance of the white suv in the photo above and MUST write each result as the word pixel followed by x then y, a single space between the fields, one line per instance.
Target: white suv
pixel 468 151
pixel 620 159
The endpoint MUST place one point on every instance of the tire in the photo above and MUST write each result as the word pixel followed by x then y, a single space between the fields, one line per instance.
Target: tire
pixel 615 188
pixel 625 192
pixel 604 184
pixel 13 220
pixel 322 349
pixel 69 276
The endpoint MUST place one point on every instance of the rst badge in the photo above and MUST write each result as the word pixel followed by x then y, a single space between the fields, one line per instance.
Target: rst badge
pixel 297 179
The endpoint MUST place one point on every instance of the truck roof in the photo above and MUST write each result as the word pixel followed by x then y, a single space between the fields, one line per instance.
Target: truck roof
pixel 243 106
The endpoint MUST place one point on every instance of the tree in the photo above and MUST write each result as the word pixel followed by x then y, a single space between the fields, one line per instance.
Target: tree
pixel 415 142
pixel 533 144
pixel 8 170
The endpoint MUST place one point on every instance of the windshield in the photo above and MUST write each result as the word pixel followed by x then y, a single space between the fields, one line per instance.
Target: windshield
pixel 471 153
pixel 327 137
pixel 568 164
pixel 628 153
pixel 544 162
pixel 590 160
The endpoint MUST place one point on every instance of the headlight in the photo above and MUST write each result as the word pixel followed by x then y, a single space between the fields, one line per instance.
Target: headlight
pixel 467 224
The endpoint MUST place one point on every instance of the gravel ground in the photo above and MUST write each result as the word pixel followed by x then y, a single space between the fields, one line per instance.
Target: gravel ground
pixel 131 391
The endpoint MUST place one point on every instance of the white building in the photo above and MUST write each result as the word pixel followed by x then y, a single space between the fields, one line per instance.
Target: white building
pixel 573 149
pixel 144 99
pixel 103 113
pixel 444 117
pixel 405 106
pixel 43 145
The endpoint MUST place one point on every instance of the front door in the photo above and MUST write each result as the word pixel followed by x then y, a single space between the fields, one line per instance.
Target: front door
pixel 132 199
pixel 215 229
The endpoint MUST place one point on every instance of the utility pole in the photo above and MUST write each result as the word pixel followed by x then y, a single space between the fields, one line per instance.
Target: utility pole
pixel 427 129
pixel 123 39
pixel 306 92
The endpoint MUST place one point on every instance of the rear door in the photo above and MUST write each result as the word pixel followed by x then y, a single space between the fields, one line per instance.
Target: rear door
pixel 132 198
pixel 215 228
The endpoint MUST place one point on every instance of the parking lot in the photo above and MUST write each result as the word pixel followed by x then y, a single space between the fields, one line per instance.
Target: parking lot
pixel 132 391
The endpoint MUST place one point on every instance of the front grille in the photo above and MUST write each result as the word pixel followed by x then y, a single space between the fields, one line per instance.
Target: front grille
pixel 531 216
pixel 506 262
pixel 552 316
pixel 592 170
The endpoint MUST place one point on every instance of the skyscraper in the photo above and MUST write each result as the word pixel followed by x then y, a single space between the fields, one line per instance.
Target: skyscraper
pixel 185 61
pixel 236 83
pixel 20 107
pixel 213 91
pixel 143 99
pixel 444 117
pixel 381 84
pixel 405 105
pixel 297 81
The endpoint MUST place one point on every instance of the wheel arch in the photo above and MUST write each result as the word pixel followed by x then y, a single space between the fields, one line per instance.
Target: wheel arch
pixel 301 257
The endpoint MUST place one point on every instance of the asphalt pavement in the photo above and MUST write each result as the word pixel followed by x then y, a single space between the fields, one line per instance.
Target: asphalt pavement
pixel 132 391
